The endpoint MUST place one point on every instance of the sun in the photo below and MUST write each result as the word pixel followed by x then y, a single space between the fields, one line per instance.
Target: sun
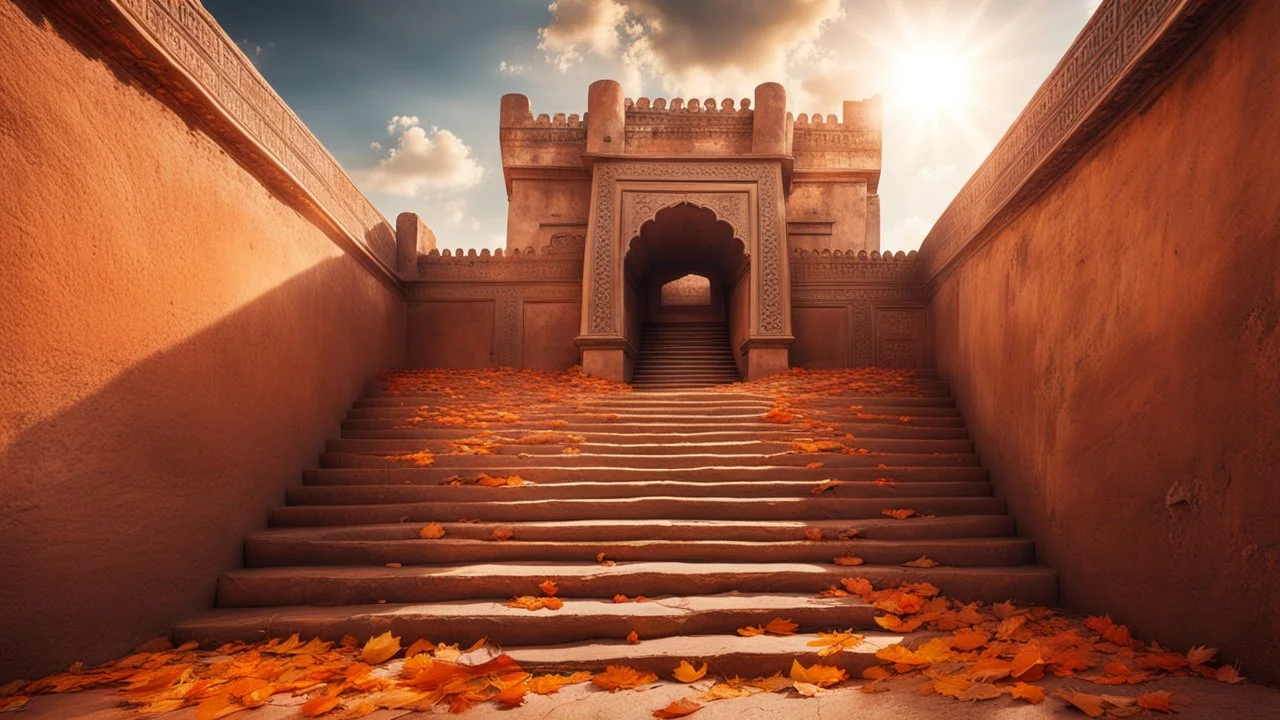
pixel 929 79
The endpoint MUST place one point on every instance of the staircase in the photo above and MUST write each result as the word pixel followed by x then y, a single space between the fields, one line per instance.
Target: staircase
pixel 682 356
pixel 689 498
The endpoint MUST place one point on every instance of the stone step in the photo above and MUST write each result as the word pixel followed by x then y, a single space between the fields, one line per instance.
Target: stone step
pixel 939 389
pixel 347 585
pixel 957 526
pixel 578 621
pixel 393 428
pixel 656 508
pixel 748 449
pixel 674 463
pixel 382 494
pixel 697 397
pixel 266 550
pixel 544 475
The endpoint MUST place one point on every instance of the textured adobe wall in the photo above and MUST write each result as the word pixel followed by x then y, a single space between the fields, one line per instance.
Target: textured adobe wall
pixel 1116 350
pixel 178 344
pixel 558 204
pixel 842 202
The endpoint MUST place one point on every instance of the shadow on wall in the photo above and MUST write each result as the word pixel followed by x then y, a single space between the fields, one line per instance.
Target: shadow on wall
pixel 121 510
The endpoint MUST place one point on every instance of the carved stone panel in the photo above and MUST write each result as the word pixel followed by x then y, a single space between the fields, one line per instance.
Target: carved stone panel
pixel 900 337
pixel 641 207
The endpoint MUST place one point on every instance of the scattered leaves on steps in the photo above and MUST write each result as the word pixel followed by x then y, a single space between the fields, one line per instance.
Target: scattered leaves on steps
pixel 530 602
pixel 380 649
pixel 835 642
pixel 621 677
pixel 422 458
pixel 686 673
pixel 900 513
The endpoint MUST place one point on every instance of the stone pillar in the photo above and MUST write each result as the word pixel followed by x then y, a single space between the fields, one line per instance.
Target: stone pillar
pixel 769 120
pixel 413 238
pixel 872 240
pixel 606 118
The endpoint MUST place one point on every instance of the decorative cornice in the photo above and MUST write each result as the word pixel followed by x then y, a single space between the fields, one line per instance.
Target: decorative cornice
pixel 835 266
pixel 180 51
pixel 1123 51
pixel 558 261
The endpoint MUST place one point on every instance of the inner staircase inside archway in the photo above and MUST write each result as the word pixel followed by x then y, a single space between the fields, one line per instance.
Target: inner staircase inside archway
pixel 684 356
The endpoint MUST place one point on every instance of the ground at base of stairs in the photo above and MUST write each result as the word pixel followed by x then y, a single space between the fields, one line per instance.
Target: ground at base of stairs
pixel 1194 698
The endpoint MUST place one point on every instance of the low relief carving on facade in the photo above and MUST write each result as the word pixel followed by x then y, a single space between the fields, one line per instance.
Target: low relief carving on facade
pixel 558 262
pixel 641 207
pixel 827 265
pixel 603 316
pixel 900 337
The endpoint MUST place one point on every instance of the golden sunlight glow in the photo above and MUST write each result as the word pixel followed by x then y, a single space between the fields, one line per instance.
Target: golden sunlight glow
pixel 930 79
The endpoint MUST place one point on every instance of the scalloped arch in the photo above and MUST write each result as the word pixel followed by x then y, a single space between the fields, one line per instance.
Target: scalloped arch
pixel 730 208
pixel 734 234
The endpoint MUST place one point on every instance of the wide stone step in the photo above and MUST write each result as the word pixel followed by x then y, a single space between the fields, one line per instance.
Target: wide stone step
pixel 263 550
pixel 656 508
pixel 749 449
pixel 952 527
pixel 578 620
pixel 381 494
pixel 670 462
pixel 544 475
pixel 348 585
pixel 387 428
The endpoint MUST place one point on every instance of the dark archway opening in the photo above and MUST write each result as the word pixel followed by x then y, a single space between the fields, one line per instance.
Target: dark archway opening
pixel 687 299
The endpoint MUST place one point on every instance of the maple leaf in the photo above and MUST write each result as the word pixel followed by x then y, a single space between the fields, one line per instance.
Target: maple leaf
pixel 922 562
pixel 547 684
pixel 380 649
pixel 686 673
pixel 503 533
pixel 857 586
pixel 1090 705
pixel 813 534
pixel 899 513
pixel 1200 655
pixel 621 677
pixel 848 560
pixel 893 623
pixel 633 638
pixel 835 642
pixel 548 587
pixel 751 630
pixel 969 639
pixel 432 531
pixel 1157 700
pixel 1027 658
pixel 876 673
pixel 780 626
pixel 818 674
pixel 725 691
pixel 1033 694
pixel 778 415
pixel 678 709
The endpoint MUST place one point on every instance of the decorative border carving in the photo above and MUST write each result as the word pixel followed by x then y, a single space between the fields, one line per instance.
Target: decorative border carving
pixel 179 43
pixel 815 266
pixel 641 207
pixel 604 242
pixel 560 260
pixel 1123 51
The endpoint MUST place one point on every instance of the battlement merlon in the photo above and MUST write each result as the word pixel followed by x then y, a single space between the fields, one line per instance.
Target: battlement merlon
pixel 818 146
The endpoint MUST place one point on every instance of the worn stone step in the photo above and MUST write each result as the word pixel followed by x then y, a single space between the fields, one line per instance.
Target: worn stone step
pixel 578 620
pixel 544 475
pixel 656 508
pixel 346 585
pixel 381 494
pixel 669 462
pixel 388 428
pixel 958 526
pixel 264 550
pixel 748 449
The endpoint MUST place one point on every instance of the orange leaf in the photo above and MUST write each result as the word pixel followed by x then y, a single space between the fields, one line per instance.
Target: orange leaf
pixel 432 531
pixel 600 559
pixel 922 562
pixel 503 532
pixel 420 645
pixel 678 709
pixel 1228 674
pixel 380 649
pixel 548 587
pixel 633 638
pixel 547 684
pixel 832 643
pixel 813 465
pixel 814 534
pixel 885 482
pixel 1198 655
pixel 824 486
pixel 779 626
pixel 1026 659
pixel 819 674
pixel 621 677
pixel 1090 705
pixel 857 586
pixel 394 565
pixel 899 513
pixel 319 705
pixel 1033 694
pixel 751 630
pixel 848 560
pixel 512 695
pixel 849 533
pixel 1157 700
pixel 893 623
pixel 969 639
pixel 686 673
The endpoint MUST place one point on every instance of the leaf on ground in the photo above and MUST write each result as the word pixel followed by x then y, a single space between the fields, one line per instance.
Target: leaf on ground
pixel 1026 660
pixel 685 672
pixel 633 638
pixel 432 531
pixel 420 645
pixel 1090 705
pixel 893 623
pixel 780 626
pixel 885 482
pixel 981 691
pixel 778 415
pixel 503 533
pixel 824 486
pixel 817 674
pixel 1200 655
pixel 835 642
pixel 547 684
pixel 813 534
pixel 602 560
pixel 924 561
pixel 751 630
pixel 678 709
pixel 848 560
pixel 899 513
pixel 512 695
pixel 858 586
pixel 849 533
pixel 813 465
pixel 548 587
pixel 1157 700
pixel 380 649
pixel 1228 674
pixel 531 602
pixel 621 677
pixel 1033 694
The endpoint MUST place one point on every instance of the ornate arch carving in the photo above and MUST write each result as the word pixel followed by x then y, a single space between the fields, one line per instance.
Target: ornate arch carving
pixel 642 207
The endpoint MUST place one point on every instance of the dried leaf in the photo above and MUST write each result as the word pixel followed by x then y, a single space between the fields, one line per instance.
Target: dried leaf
pixel 432 531
pixel 824 486
pixel 686 673
pixel 922 562
pixel 835 642
pixel 548 587
pixel 1157 700
pixel 899 513
pixel 602 560
pixel 678 709
pixel 621 677
pixel 1033 694
pixel 633 638
pixel 1090 705
pixel 547 684
pixel 818 674
pixel 380 649
pixel 751 630
pixel 813 534
pixel 780 626
pixel 848 560
pixel 503 533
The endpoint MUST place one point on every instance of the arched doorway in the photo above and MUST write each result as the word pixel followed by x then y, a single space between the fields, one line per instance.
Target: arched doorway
pixel 687 300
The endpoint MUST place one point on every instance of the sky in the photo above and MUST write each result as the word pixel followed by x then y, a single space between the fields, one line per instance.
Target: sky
pixel 404 93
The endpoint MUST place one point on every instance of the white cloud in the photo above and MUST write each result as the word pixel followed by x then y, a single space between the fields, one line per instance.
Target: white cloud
pixel 422 159
pixel 507 68
pixel 455 213
pixel 375 145
pixel 708 46
pixel 906 235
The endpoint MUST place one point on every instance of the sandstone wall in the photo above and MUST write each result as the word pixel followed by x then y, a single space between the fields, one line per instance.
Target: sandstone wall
pixel 1116 350
pixel 178 342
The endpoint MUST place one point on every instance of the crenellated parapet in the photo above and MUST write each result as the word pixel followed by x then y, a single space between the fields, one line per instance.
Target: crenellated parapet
pixel 561 260
pixel 819 266
pixel 545 141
